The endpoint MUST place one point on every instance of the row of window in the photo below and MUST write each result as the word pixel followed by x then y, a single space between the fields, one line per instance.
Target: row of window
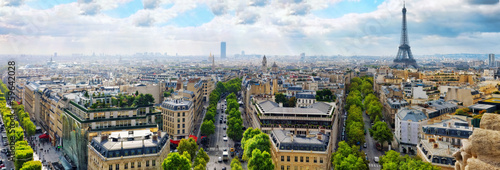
pixel 314 159
pixel 132 165
pixel 298 168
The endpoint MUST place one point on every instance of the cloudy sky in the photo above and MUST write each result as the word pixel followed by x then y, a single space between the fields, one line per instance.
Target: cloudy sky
pixel 273 27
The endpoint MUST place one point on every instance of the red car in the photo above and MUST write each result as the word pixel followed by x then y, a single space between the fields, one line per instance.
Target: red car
pixel 3 165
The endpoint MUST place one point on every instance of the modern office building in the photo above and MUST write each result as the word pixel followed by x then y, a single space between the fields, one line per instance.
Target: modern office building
pixel 289 151
pixel 143 149
pixel 177 118
pixel 491 59
pixel 223 49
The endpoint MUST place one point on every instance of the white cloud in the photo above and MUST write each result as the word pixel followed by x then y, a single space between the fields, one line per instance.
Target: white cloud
pixel 151 4
pixel 13 3
pixel 265 27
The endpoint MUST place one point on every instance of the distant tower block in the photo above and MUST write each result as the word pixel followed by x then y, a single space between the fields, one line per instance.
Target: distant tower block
pixel 223 49
pixel 211 58
pixel 491 58
pixel 404 58
pixel 264 64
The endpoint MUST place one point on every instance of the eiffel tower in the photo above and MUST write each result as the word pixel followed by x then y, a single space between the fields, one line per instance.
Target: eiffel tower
pixel 404 59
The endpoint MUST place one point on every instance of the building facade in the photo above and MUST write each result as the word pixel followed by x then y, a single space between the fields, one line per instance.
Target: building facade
pixel 407 131
pixel 136 150
pixel 177 118
pixel 291 152
pixel 269 115
pixel 81 123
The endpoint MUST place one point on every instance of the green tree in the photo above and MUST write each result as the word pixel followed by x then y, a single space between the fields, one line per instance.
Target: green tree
pixel 235 164
pixel 220 86
pixel 207 127
pixel 189 146
pixel 381 132
pixel 356 80
pixel 366 88
pixel 231 96
pixel 354 86
pixel 369 98
pixel 348 158
pixel 29 126
pixel 235 129
pixel 23 153
pixel 249 134
pixel 393 160
pixel 174 161
pixel 200 164
pixel 166 94
pixel 260 141
pixel 260 161
pixel 202 155
pixel 374 109
pixel 32 165
pixel 355 133
pixel 280 98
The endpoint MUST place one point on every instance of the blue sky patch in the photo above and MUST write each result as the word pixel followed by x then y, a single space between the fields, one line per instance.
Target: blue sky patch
pixel 46 4
pixel 347 7
pixel 125 10
pixel 193 18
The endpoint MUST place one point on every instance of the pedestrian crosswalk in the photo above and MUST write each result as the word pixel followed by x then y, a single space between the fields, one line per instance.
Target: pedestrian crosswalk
pixel 374 165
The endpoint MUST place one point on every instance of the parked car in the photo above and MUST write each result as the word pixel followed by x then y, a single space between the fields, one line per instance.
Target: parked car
pixel 364 145
pixel 220 159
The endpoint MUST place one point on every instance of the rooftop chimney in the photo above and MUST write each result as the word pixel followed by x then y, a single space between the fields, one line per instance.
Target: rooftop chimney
pixel 320 136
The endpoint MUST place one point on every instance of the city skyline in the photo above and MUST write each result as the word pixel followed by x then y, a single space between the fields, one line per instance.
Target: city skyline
pixel 284 27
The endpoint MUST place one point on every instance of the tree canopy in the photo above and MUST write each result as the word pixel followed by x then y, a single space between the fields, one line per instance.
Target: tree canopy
pixel 392 160
pixel 235 164
pixel 207 127
pixel 347 158
pixel 260 161
pixel 381 132
pixel 175 161
pixel 189 146
pixel 32 165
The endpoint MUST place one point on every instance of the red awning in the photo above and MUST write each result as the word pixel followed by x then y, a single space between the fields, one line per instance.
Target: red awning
pixel 43 136
pixel 177 141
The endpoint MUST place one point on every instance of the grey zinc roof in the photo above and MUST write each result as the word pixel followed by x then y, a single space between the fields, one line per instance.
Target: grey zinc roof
pixel 316 108
pixel 411 114
pixel 283 138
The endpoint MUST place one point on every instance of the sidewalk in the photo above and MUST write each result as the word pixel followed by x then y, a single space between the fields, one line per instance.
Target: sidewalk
pixel 45 151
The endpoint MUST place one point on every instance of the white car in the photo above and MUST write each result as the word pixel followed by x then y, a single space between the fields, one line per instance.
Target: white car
pixel 375 159
pixel 220 159
pixel 225 138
